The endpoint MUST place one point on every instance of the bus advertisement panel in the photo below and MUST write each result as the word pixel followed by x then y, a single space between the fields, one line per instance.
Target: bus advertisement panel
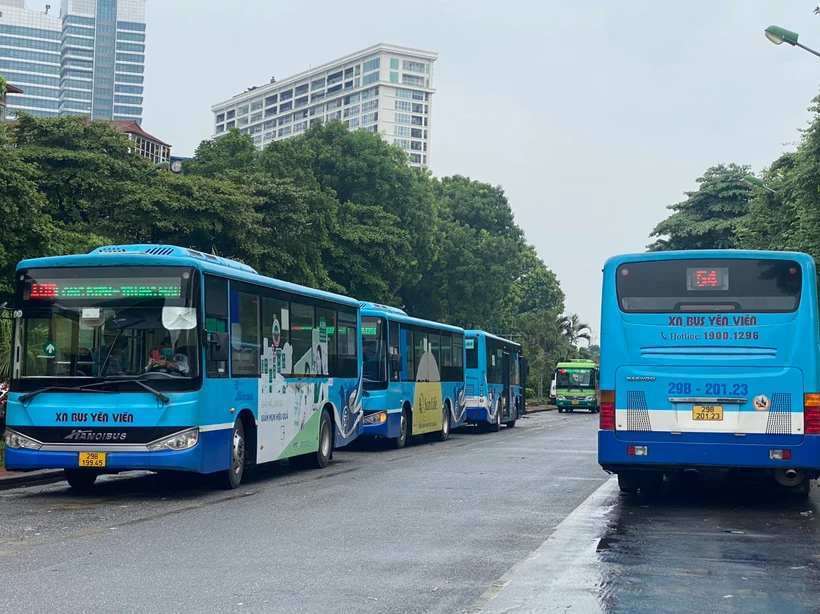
pixel 413 375
pixel 495 368
pixel 710 363
pixel 162 358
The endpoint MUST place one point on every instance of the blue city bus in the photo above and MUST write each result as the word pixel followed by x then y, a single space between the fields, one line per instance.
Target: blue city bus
pixel 413 375
pixel 709 364
pixel 160 358
pixel 494 375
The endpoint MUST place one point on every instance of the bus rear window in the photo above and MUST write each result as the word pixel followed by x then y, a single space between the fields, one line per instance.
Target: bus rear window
pixel 714 285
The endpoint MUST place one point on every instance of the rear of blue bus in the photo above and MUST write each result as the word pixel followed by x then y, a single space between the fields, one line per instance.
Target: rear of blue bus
pixel 709 364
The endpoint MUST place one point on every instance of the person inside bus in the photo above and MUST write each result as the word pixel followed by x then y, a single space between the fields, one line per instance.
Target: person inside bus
pixel 117 360
pixel 169 361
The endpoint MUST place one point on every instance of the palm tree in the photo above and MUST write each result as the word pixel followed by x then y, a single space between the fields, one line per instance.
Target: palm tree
pixel 574 330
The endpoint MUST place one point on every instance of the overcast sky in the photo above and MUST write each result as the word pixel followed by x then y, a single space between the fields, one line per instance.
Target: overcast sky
pixel 592 115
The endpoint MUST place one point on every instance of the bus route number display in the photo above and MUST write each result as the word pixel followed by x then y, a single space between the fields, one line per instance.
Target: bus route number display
pixel 707 278
pixel 162 287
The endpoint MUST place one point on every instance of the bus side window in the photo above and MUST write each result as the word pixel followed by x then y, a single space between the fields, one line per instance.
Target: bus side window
pixel 216 318
pixel 395 344
pixel 410 355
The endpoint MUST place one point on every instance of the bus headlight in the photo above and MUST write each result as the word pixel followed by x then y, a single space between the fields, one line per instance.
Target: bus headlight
pixel 377 418
pixel 590 398
pixel 561 398
pixel 18 441
pixel 179 441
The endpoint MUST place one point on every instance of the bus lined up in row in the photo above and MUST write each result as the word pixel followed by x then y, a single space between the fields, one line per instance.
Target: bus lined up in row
pixel 495 371
pixel 161 358
pixel 709 365
pixel 575 385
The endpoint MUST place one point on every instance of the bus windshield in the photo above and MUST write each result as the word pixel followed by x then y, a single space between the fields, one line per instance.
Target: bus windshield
pixel 102 322
pixel 580 379
pixel 717 285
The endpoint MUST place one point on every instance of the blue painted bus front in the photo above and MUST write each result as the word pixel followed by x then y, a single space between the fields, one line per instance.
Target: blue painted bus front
pixel 384 403
pixel 484 398
pixel 711 390
pixel 125 425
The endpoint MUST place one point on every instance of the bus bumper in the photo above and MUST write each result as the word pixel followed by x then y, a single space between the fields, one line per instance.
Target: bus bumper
pixel 588 405
pixel 211 453
pixel 478 414
pixel 613 453
pixel 390 428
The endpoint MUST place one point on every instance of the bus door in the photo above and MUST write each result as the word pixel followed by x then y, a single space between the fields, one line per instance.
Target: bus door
pixel 505 384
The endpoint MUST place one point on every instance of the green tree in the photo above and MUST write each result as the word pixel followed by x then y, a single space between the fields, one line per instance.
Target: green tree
pixel 709 216
pixel 574 331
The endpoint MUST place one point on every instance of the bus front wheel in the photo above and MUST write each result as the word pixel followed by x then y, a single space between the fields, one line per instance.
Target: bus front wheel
pixel 444 433
pixel 80 479
pixel 399 442
pixel 321 458
pixel 232 477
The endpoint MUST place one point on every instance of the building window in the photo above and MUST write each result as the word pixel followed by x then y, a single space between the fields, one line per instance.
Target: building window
pixel 334 115
pixel 256 117
pixel 271 100
pixel 270 124
pixel 230 125
pixel 270 112
pixel 220 118
pixel 394 77
pixel 416 120
pixel 370 93
pixel 403 143
pixel 285 120
pixel 409 94
pixel 354 110
pixel 401 130
pixel 402 118
pixel 415 145
pixel 130 57
pixel 371 78
pixel 299 127
pixel 351 99
pixel 348 84
pixel 371 65
pixel 129 25
pixel 416 133
pixel 300 115
pixel 415 158
pixel 285 106
pixel 317 96
pixel 370 118
pixel 334 89
pixel 353 123
pixel 231 114
pixel 394 63
pixel 374 128
pixel 256 105
pixel 131 36
pixel 243 110
pixel 286 95
pixel 319 108
pixel 412 80
pixel 334 104
pixel 370 105
pixel 409 65
pixel 404 105
pixel 348 73
pixel 300 102
pixel 255 129
pixel 334 78
pixel 418 108
pixel 243 121
pixel 301 89
pixel 317 84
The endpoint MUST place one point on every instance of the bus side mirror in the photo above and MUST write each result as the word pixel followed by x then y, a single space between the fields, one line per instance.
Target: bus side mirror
pixel 218 346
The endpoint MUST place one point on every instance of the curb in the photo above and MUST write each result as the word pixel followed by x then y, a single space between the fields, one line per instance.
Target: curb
pixel 538 410
pixel 31 478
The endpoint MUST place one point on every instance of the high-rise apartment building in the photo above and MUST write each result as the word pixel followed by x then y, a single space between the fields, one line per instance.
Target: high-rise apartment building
pixel 87 60
pixel 383 89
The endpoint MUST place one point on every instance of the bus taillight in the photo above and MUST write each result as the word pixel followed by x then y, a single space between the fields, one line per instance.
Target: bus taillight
pixel 607 416
pixel 811 413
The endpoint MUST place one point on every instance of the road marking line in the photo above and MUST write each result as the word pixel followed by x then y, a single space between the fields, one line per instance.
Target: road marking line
pixel 563 574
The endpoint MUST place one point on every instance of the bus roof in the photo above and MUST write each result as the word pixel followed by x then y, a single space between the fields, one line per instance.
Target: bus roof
pixel 397 315
pixel 479 333
pixel 576 362
pixel 615 261
pixel 170 255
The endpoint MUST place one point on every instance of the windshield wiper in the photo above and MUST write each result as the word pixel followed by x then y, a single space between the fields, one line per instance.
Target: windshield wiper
pixel 153 391
pixel 83 388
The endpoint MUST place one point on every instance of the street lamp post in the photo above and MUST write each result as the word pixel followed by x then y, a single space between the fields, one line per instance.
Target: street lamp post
pixel 779 35
pixel 756 182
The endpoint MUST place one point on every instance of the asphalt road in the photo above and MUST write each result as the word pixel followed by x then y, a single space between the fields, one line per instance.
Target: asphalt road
pixel 424 529
pixel 520 521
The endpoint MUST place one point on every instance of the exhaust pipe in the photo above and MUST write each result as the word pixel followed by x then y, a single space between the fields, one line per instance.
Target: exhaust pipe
pixel 789 477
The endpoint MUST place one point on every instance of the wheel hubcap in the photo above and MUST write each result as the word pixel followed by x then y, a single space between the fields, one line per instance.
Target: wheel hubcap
pixel 238 452
pixel 403 427
pixel 445 420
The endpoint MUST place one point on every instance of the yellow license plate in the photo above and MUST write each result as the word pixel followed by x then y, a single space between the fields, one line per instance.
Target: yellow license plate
pixel 95 460
pixel 707 412
pixel 575 402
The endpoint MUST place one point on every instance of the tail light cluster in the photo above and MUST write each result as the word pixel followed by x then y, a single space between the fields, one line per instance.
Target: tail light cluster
pixel 607 415
pixel 811 413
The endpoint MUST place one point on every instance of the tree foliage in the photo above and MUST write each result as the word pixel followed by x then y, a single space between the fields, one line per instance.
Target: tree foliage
pixel 333 209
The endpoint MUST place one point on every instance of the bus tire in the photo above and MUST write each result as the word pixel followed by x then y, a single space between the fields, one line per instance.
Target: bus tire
pixel 496 426
pixel 81 480
pixel 629 482
pixel 511 424
pixel 444 433
pixel 404 430
pixel 231 477
pixel 321 458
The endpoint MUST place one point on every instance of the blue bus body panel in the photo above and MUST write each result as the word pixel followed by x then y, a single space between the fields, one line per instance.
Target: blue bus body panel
pixel 213 408
pixel 757 366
